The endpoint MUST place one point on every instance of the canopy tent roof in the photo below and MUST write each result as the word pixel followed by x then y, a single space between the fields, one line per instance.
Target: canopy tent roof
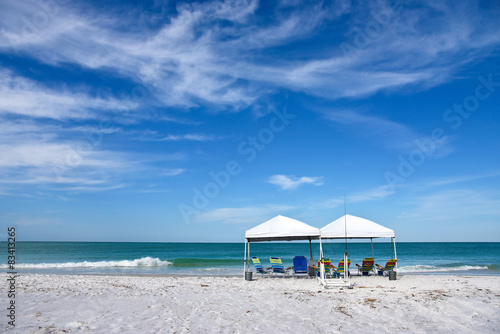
pixel 282 228
pixel 357 227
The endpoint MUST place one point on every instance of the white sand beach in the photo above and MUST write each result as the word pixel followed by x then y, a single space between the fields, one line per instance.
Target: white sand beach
pixel 128 304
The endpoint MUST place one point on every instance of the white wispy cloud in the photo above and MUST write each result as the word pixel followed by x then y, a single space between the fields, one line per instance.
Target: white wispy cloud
pixel 190 136
pixel 89 188
pixel 291 182
pixel 460 179
pixel 329 203
pixel 244 215
pixel 424 203
pixel 187 58
pixel 392 135
pixel 36 221
pixel 173 171
pixel 69 158
pixel 192 59
pixel 49 162
pixel 25 97
pixel 155 135
pixel 372 194
pixel 367 195
pixel 454 205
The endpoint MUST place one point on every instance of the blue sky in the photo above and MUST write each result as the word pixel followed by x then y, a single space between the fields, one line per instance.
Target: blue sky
pixel 194 121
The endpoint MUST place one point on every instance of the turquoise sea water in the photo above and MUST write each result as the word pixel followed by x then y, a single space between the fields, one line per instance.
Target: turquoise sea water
pixel 227 258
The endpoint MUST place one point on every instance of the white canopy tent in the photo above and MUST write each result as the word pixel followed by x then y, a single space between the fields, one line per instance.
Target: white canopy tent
pixel 352 227
pixel 279 228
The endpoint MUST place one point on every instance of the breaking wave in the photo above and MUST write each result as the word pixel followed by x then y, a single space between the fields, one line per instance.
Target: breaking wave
pixel 426 268
pixel 142 262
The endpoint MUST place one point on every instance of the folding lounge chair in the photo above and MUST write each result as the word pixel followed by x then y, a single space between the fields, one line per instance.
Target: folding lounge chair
pixel 328 267
pixel 367 266
pixel 300 266
pixel 258 266
pixel 277 266
pixel 338 271
pixel 389 266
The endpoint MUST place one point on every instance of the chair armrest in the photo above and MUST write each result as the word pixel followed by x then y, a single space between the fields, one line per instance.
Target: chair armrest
pixel 358 265
pixel 379 266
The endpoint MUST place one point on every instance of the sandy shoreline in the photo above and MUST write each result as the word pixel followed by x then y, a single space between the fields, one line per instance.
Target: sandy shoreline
pixel 155 304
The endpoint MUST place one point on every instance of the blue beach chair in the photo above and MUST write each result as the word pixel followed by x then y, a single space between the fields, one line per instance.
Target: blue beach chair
pixel 299 266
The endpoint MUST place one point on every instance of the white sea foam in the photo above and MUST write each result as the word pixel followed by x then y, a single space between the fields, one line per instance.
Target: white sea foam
pixel 143 262
pixel 424 268
pixel 214 269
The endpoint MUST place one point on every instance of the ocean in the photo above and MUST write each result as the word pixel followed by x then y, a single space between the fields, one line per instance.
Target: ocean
pixel 199 259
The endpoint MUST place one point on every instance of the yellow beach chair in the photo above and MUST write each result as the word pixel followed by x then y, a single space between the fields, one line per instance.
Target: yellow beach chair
pixel 258 266
pixel 277 266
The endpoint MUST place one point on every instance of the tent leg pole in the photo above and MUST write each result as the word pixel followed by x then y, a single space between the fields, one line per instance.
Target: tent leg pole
pixel 245 258
pixel 373 253
pixel 321 267
pixel 310 248
pixel 320 249
pixel 346 269
pixel 395 255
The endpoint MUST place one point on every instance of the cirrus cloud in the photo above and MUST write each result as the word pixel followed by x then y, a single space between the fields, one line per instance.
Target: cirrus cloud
pixel 291 182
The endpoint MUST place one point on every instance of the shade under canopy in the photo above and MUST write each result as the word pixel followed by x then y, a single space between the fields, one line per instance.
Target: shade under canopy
pixel 282 228
pixel 357 227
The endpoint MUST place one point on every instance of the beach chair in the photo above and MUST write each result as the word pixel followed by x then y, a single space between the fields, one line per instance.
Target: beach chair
pixel 389 266
pixel 300 266
pixel 367 266
pixel 328 267
pixel 338 271
pixel 258 266
pixel 277 266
